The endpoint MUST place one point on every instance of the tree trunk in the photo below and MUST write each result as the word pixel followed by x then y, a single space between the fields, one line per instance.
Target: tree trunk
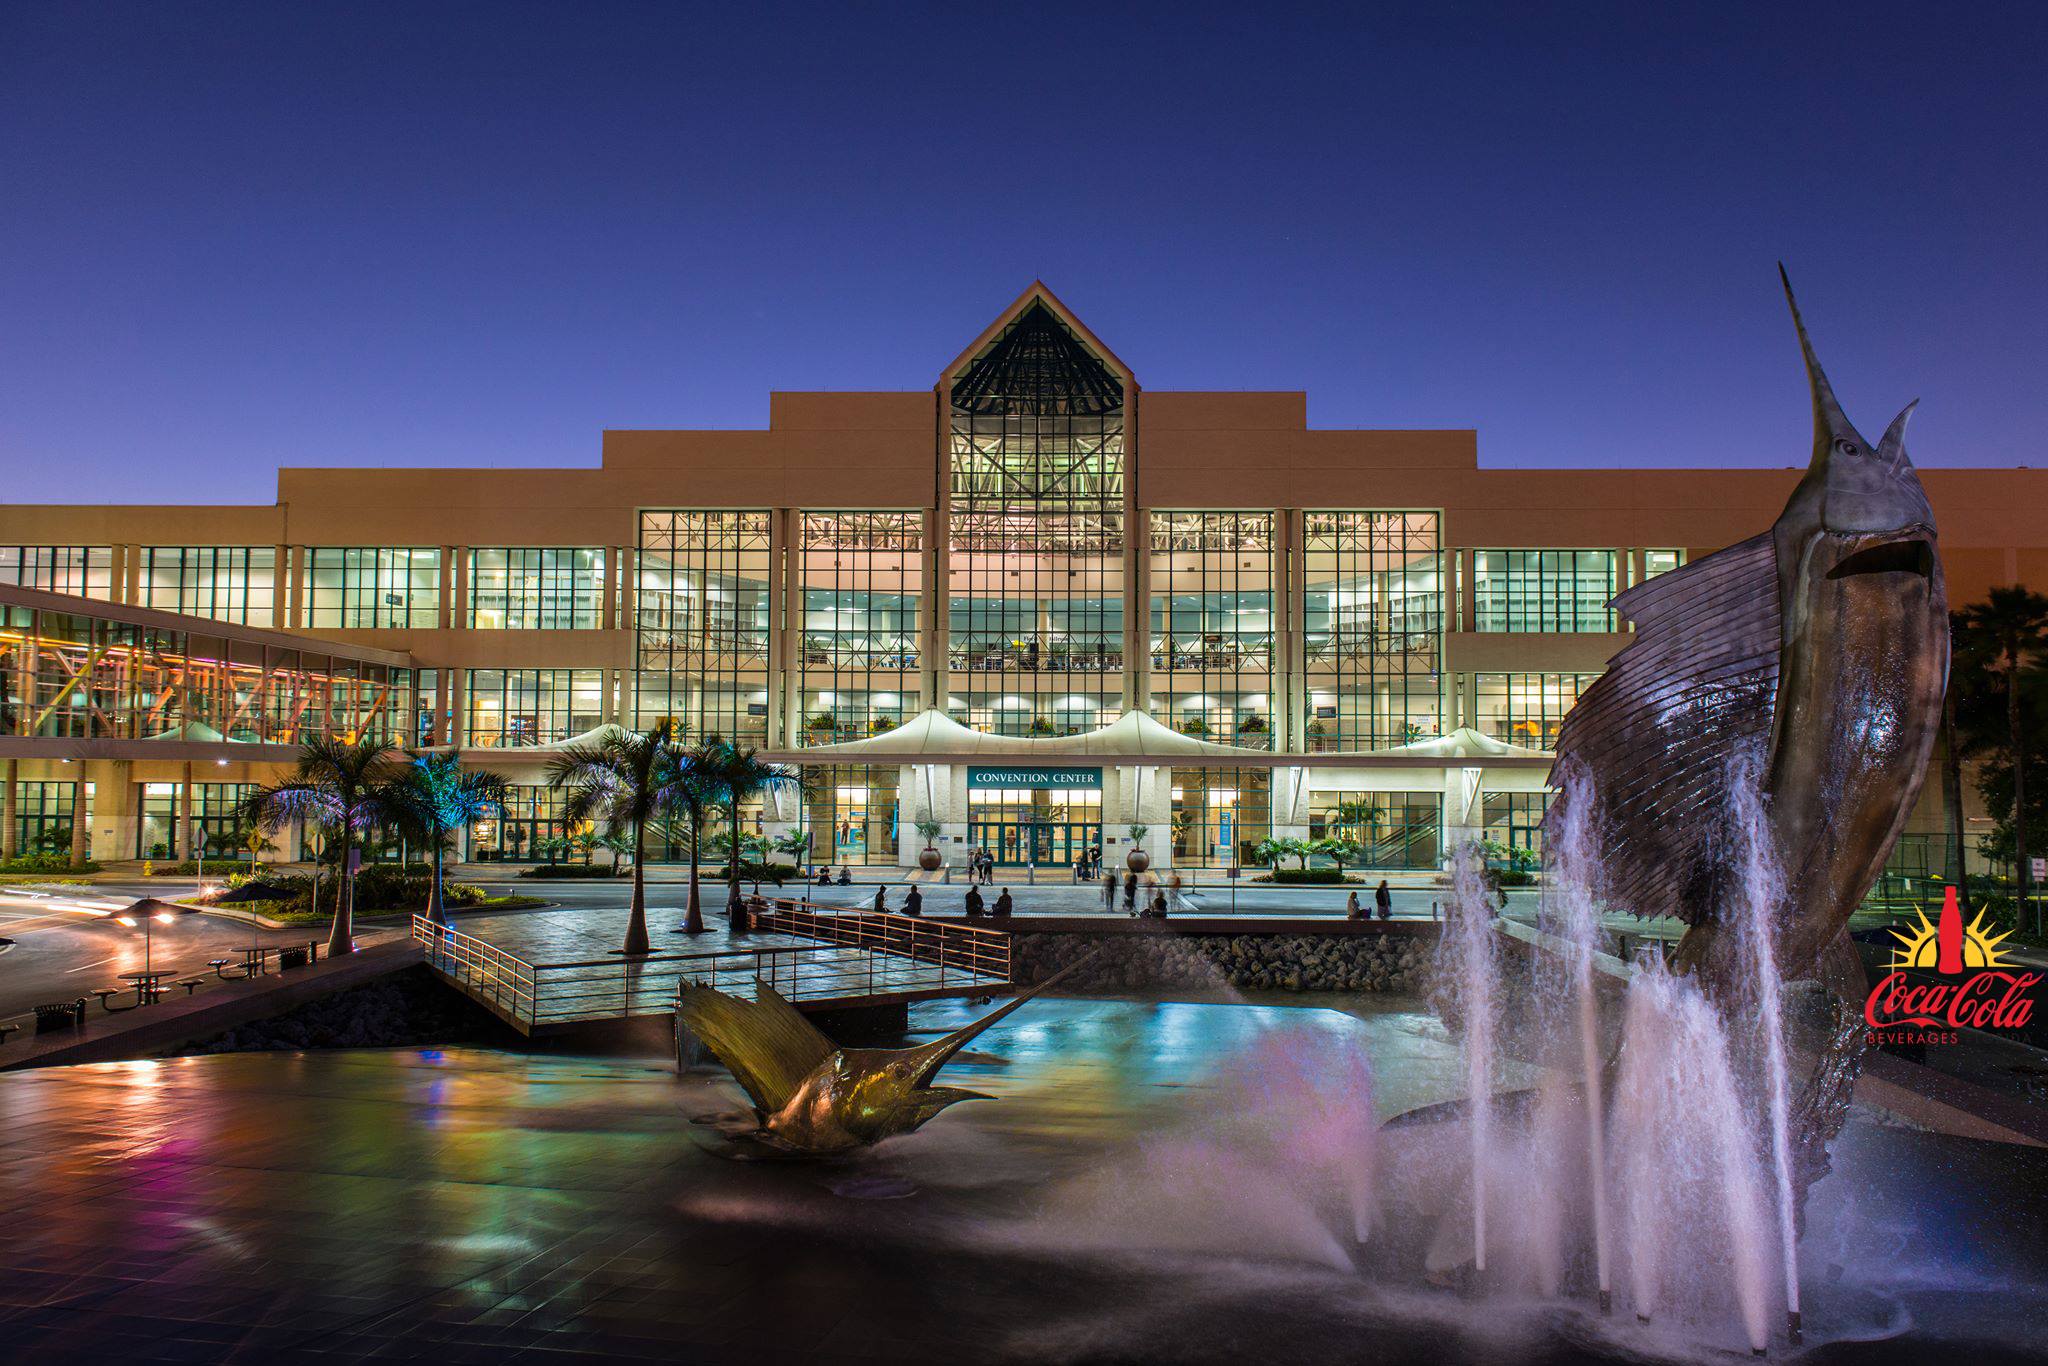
pixel 436 911
pixel 341 937
pixel 1952 798
pixel 636 922
pixel 732 865
pixel 2019 790
pixel 693 916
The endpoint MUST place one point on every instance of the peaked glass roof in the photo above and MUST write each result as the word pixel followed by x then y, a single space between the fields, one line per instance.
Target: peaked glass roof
pixel 1038 366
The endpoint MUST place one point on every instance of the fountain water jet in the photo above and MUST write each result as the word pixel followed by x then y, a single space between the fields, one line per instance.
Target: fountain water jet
pixel 1761 894
pixel 1575 861
pixel 1475 987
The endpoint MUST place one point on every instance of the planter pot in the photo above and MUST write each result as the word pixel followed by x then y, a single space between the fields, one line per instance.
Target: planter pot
pixel 1138 860
pixel 929 859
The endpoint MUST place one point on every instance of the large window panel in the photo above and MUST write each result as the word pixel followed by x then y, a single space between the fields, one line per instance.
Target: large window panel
pixel 512 707
pixel 536 588
pixel 1212 624
pixel 1372 620
pixel 860 575
pixel 373 588
pixel 225 582
pixel 701 623
pixel 1556 591
pixel 85 571
pixel 1526 709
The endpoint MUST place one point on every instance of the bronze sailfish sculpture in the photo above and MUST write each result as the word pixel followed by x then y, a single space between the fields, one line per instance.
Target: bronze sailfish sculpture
pixel 812 1097
pixel 1819 647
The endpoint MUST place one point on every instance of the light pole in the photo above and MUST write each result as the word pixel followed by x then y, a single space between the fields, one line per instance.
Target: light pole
pixel 131 922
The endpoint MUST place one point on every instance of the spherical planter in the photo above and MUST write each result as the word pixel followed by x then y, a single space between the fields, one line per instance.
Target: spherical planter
pixel 1138 860
pixel 929 859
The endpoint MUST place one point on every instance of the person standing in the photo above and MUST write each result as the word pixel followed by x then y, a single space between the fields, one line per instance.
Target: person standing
pixel 1383 899
pixel 973 902
pixel 1004 905
pixel 1173 885
pixel 1109 891
pixel 1131 890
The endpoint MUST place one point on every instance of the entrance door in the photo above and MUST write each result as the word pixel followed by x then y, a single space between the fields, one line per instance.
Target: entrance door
pixel 1048 844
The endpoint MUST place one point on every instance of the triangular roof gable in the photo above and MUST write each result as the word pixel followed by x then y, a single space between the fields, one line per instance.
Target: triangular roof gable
pixel 1037 293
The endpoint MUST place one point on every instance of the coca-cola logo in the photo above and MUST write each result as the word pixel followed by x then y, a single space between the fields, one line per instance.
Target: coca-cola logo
pixel 1975 985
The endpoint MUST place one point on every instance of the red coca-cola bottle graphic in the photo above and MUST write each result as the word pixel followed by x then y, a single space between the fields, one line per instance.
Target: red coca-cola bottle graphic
pixel 1948 935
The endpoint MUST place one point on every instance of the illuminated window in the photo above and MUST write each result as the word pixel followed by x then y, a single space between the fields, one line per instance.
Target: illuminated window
pixel 355 589
pixel 1543 590
pixel 701 624
pixel 1526 709
pixel 507 707
pixel 1657 562
pixel 85 571
pixel 861 576
pixel 1373 621
pixel 1035 598
pixel 1212 624
pixel 227 583
pixel 1391 829
pixel 530 588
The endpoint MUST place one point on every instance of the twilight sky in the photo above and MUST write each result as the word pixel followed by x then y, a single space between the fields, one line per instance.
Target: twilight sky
pixel 234 236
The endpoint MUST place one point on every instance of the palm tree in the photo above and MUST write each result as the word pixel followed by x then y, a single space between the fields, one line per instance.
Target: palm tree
pixel 738 774
pixel 2009 629
pixel 342 786
pixel 696 792
pixel 432 798
pixel 627 778
pixel 1355 814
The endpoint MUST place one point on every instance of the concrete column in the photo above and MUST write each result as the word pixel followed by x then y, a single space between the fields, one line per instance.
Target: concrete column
pixel 184 839
pixel 295 616
pixel 455 606
pixel 458 701
pixel 280 575
pixel 933 628
pixel 1467 590
pixel 81 818
pixel 1290 638
pixel 10 810
pixel 786 622
pixel 628 577
pixel 128 580
pixel 1290 802
pixel 608 593
pixel 112 816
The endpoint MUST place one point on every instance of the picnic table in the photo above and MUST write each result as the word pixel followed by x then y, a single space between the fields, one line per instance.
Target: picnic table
pixel 149 986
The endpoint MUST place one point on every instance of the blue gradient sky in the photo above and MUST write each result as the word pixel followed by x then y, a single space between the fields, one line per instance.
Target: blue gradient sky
pixel 234 236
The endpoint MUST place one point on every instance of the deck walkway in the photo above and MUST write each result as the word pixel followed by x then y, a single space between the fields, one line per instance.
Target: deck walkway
pixel 548 972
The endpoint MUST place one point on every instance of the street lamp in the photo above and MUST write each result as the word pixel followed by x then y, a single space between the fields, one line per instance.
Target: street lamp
pixel 131 922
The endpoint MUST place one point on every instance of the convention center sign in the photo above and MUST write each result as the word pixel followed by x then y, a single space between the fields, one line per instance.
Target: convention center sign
pixel 1034 777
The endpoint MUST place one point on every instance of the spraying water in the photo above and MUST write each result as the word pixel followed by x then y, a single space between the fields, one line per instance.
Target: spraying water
pixel 1762 892
pixel 1575 860
pixel 1475 980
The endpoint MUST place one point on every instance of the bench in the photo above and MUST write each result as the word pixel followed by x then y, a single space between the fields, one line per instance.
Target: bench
pixel 104 992
pixel 60 1015
pixel 5 1030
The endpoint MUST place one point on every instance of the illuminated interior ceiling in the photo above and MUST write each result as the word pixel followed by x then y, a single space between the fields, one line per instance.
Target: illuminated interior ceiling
pixel 1038 366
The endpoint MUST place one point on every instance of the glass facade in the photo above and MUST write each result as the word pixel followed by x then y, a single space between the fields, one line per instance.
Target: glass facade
pixel 531 588
pixel 1036 535
pixel 1526 709
pixel 85 571
pixel 225 582
pixel 370 589
pixel 1041 828
pixel 1392 829
pixel 861 576
pixel 42 816
pixel 701 623
pixel 158 833
pixel 511 707
pixel 1657 562
pixel 1220 815
pixel 850 813
pixel 1556 591
pixel 75 676
pixel 1373 621
pixel 1212 625
pixel 1515 819
pixel 533 812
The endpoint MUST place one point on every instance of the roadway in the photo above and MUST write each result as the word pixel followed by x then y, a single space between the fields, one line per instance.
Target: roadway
pixel 67 941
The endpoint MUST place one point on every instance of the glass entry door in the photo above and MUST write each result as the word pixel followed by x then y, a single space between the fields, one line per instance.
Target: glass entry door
pixel 1048 828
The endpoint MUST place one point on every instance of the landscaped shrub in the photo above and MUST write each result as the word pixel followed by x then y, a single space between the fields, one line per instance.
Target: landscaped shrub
pixel 47 863
pixel 378 888
pixel 572 870
pixel 1308 877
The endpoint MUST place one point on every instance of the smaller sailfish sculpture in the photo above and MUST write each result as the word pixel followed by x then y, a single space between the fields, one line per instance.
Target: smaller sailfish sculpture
pixel 812 1097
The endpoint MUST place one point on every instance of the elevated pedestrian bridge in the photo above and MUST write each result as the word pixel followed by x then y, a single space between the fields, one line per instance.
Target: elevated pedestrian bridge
pixel 817 957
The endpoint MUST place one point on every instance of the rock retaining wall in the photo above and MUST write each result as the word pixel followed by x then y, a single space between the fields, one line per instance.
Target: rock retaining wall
pixel 1246 962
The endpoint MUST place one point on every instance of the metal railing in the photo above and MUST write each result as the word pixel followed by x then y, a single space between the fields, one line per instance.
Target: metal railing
pixel 946 945
pixel 850 961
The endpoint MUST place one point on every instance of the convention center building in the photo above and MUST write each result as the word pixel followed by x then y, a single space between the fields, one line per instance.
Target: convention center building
pixel 1034 604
